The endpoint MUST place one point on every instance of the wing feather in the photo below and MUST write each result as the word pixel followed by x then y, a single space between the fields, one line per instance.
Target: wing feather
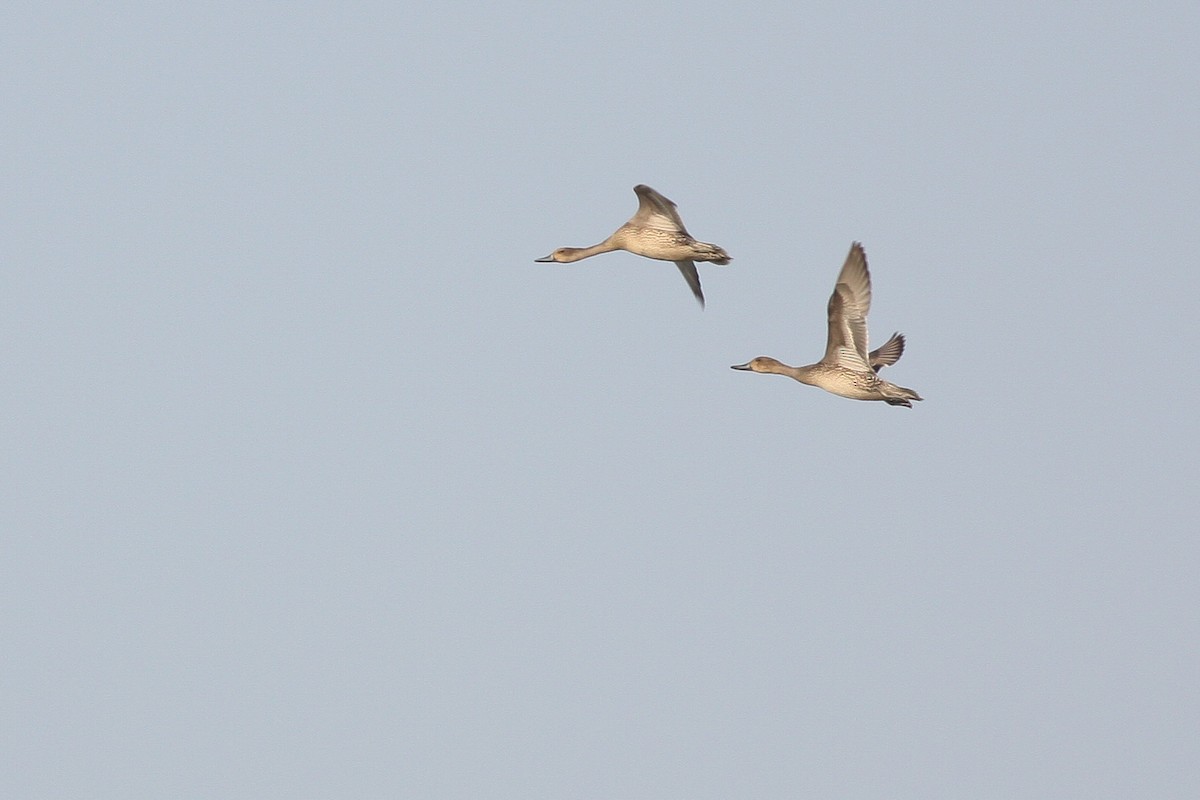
pixel 688 270
pixel 656 211
pixel 848 308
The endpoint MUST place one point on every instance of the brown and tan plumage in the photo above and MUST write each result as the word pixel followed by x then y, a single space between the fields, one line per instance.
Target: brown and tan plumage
pixel 847 369
pixel 655 231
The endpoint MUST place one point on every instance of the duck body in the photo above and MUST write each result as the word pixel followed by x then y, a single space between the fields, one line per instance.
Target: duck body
pixel 850 383
pixel 656 231
pixel 848 369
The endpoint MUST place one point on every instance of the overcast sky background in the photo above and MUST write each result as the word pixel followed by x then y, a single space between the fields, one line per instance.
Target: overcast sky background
pixel 315 485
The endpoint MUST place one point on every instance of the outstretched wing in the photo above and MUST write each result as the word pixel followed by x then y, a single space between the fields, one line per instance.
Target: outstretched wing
pixel 656 211
pixel 888 353
pixel 688 270
pixel 848 308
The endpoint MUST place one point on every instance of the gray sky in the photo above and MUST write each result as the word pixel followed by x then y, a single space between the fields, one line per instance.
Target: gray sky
pixel 315 485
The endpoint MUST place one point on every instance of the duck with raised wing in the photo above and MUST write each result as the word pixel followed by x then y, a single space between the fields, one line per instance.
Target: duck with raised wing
pixel 655 231
pixel 847 369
